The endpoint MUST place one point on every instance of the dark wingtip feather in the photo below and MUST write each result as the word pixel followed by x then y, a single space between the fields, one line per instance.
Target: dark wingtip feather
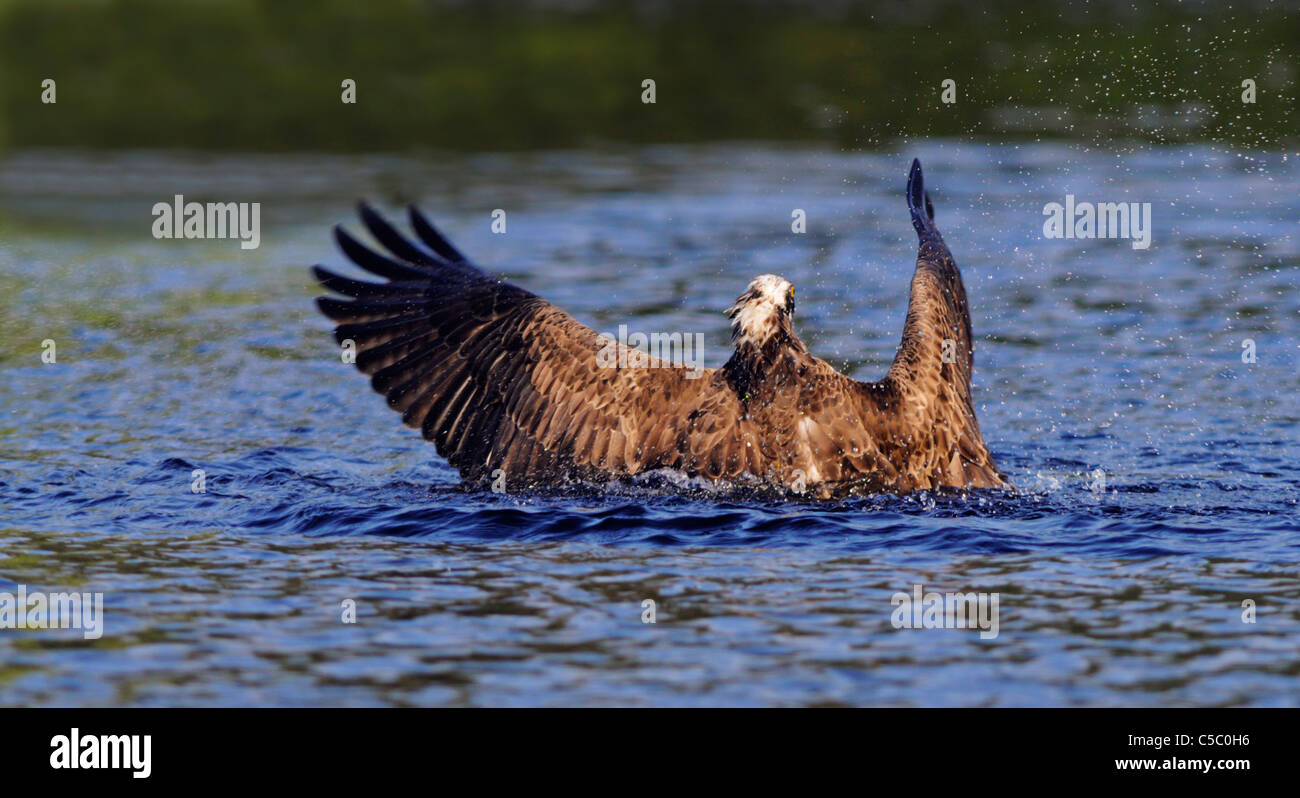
pixel 336 309
pixel 434 239
pixel 322 275
pixel 369 216
pixel 918 201
pixel 359 289
pixel 394 241
pixel 374 262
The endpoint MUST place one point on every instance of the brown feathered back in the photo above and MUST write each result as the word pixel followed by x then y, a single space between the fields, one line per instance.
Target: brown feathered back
pixel 498 378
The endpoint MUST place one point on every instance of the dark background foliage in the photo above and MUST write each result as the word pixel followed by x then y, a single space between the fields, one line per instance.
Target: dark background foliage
pixel 265 76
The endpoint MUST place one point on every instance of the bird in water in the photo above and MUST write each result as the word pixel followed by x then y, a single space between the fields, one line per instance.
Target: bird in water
pixel 509 386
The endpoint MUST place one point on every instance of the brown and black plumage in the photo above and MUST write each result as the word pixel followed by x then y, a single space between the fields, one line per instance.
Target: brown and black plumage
pixel 499 378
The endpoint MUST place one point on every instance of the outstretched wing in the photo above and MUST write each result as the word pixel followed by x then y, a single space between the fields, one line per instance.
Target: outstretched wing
pixel 927 388
pixel 497 377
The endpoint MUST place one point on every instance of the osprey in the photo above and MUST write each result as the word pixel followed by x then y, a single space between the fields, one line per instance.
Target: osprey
pixel 509 386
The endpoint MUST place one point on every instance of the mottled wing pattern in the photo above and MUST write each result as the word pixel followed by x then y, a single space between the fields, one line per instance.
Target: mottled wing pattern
pixel 934 436
pixel 499 378
pixel 820 432
pixel 856 437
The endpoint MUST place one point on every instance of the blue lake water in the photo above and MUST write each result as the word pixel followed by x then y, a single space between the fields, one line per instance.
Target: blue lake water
pixel 1158 473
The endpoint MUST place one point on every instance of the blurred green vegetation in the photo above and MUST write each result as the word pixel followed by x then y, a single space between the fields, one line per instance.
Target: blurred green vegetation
pixel 265 76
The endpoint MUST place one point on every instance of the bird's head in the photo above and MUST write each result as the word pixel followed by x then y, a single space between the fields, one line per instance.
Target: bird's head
pixel 763 312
